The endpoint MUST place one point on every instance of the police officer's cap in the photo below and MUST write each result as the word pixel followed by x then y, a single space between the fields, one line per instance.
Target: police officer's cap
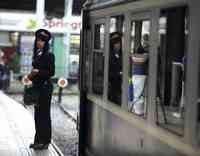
pixel 43 34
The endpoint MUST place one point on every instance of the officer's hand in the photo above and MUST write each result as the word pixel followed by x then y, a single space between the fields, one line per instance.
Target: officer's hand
pixel 33 73
pixel 26 80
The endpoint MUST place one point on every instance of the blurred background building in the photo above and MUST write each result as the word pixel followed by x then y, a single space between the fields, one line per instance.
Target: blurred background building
pixel 19 20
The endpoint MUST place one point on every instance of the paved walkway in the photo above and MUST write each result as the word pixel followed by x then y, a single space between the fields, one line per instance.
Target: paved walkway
pixel 17 130
pixel 70 104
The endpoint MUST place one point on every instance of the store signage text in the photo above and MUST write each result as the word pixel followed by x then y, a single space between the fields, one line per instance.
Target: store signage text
pixel 50 24
pixel 12 22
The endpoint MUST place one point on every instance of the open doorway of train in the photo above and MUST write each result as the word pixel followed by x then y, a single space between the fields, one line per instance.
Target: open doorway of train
pixel 172 57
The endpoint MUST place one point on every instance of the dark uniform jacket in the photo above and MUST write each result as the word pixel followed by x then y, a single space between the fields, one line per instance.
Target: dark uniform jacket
pixel 46 65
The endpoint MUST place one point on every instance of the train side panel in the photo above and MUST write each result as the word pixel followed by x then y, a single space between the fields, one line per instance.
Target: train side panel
pixel 107 134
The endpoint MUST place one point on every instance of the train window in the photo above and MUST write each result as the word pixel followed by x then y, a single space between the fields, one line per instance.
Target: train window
pixel 115 60
pixel 138 73
pixel 117 24
pixel 173 36
pixel 98 59
pixel 99 37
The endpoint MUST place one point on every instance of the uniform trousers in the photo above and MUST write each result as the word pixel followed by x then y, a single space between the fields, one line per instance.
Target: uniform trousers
pixel 42 115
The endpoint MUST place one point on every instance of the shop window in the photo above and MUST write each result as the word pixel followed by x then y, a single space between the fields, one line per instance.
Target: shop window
pixel 74 44
pixel 115 60
pixel 172 59
pixel 138 73
pixel 74 57
pixel 98 59
pixel 26 50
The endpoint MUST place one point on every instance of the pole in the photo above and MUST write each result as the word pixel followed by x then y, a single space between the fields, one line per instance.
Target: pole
pixel 60 95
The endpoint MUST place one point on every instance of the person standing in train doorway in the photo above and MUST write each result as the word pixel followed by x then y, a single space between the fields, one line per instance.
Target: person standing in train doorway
pixel 139 76
pixel 115 68
pixel 43 64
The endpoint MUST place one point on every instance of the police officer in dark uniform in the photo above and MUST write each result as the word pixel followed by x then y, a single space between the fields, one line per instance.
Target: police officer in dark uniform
pixel 43 69
pixel 115 68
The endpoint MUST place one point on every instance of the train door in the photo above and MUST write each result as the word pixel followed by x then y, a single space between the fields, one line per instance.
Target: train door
pixel 91 74
pixel 95 82
pixel 177 102
pixel 172 56
pixel 192 131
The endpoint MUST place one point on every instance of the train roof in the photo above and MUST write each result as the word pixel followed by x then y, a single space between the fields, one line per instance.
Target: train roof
pixel 105 3
pixel 98 4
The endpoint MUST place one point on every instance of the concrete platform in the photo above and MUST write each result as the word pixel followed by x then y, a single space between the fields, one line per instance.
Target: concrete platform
pixel 17 131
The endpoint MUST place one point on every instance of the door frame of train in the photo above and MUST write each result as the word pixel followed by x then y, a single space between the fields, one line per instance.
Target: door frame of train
pixel 81 117
pixel 192 75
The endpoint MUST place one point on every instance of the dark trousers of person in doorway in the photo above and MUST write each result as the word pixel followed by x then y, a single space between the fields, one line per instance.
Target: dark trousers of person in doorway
pixel 42 115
